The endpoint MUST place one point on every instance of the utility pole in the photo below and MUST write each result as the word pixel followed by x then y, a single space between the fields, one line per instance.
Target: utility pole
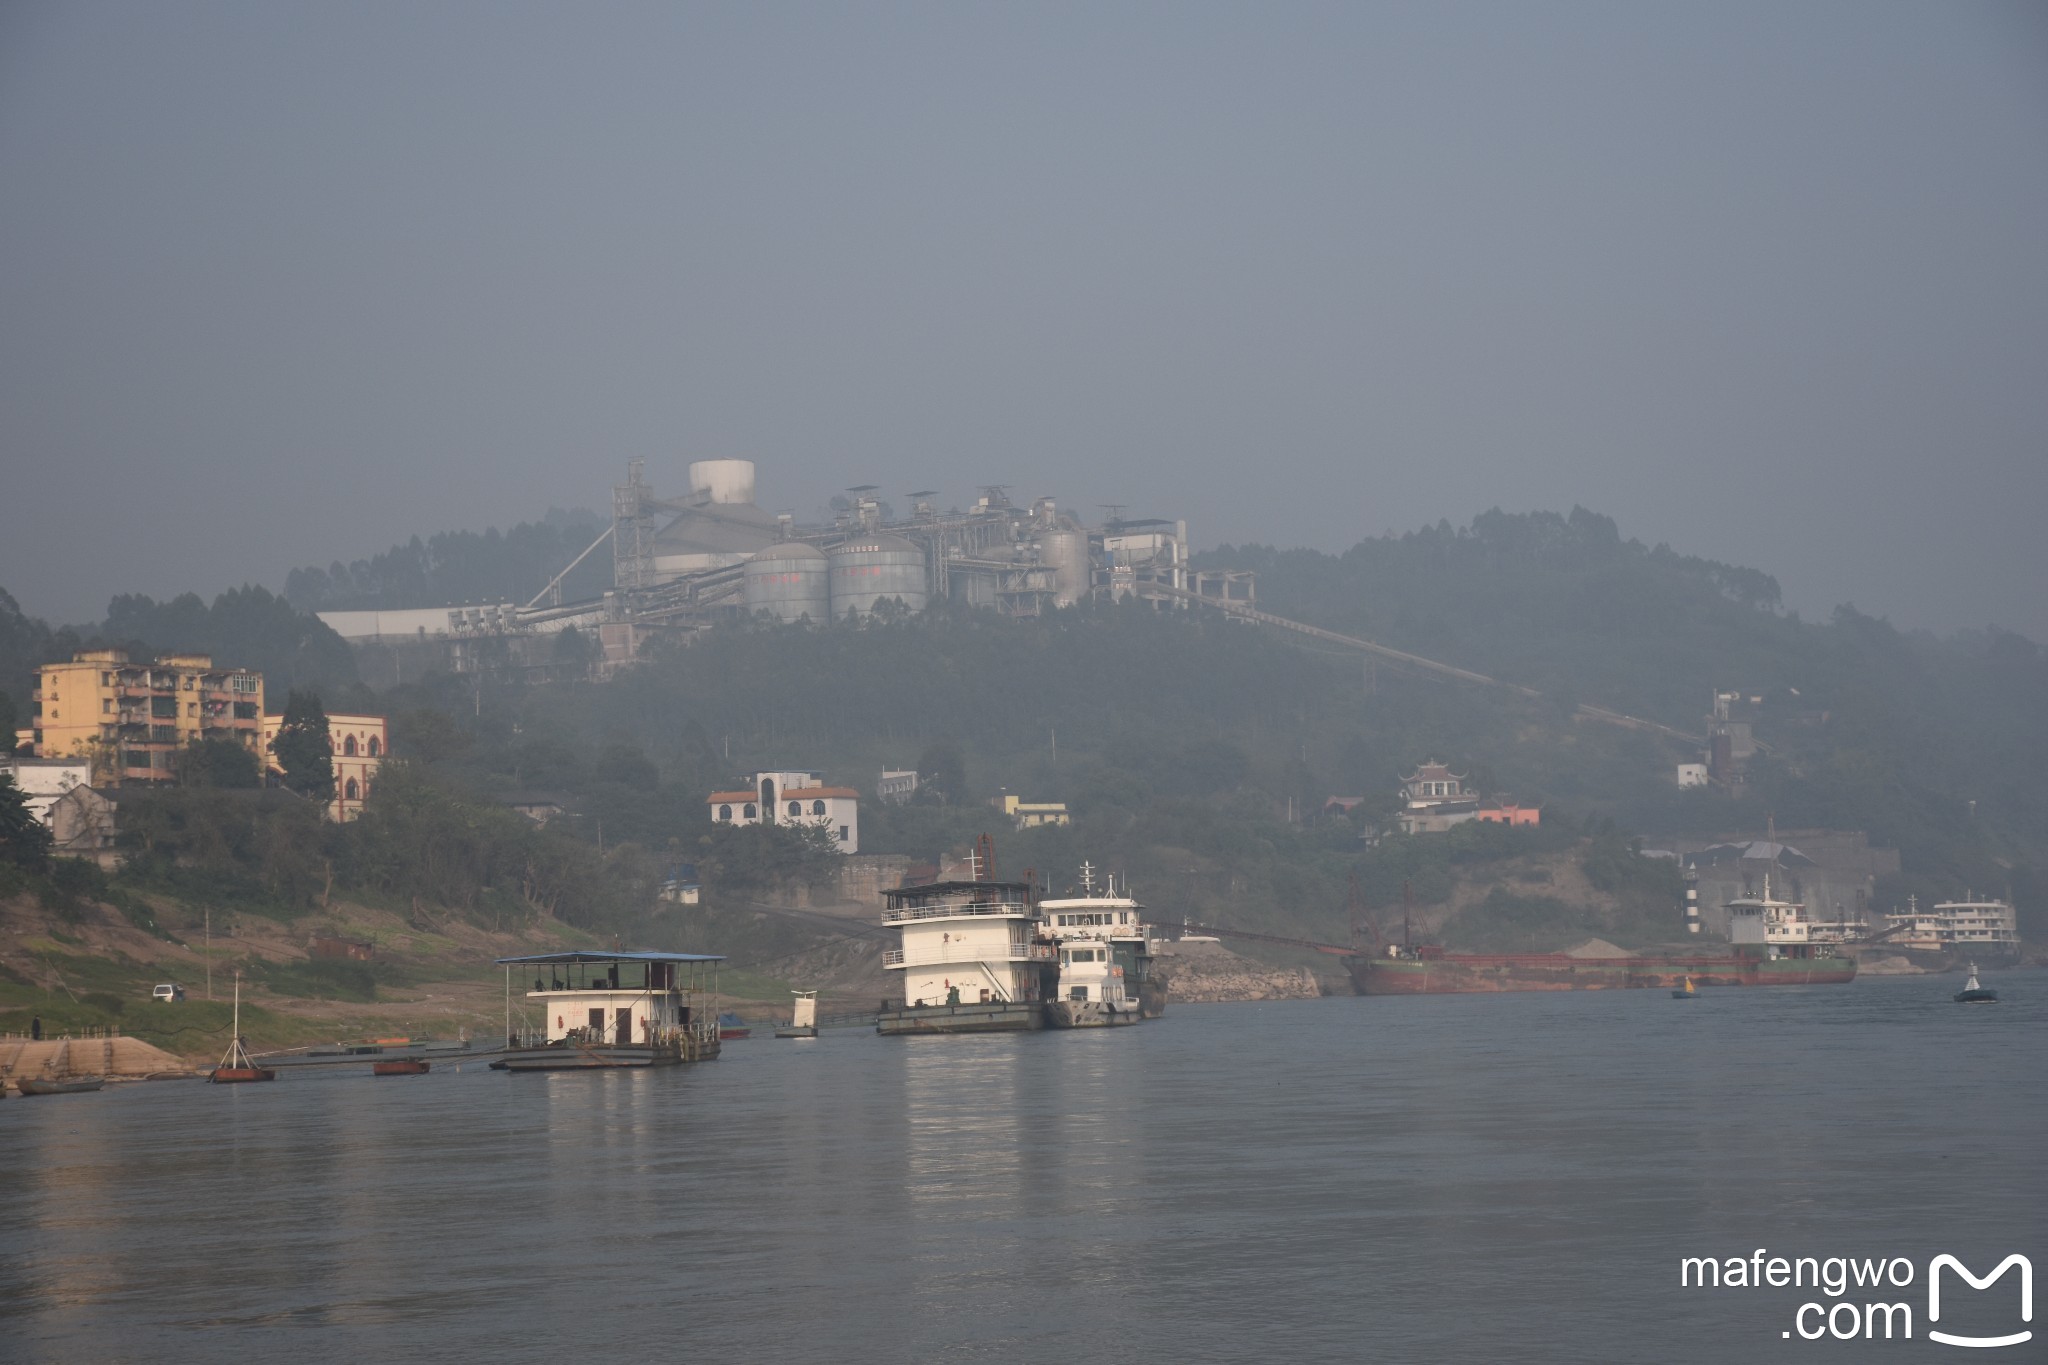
pixel 209 952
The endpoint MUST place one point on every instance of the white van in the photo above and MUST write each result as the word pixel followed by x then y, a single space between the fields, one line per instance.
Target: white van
pixel 169 992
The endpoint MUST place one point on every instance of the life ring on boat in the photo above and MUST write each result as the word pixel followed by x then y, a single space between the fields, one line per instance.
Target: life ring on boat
pixel 1116 971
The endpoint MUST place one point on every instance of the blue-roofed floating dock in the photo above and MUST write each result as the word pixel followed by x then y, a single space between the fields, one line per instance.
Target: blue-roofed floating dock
pixel 611 1009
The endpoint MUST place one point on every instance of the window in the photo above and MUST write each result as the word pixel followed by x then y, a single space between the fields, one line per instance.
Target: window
pixel 106 680
pixel 1077 993
pixel 817 807
pixel 796 808
pixel 106 703
pixel 376 746
pixel 748 811
pixel 842 834
pixel 352 792
pixel 348 747
pixel 725 812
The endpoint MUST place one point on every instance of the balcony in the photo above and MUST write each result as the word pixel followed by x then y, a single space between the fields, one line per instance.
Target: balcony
pixel 963 952
pixel 903 914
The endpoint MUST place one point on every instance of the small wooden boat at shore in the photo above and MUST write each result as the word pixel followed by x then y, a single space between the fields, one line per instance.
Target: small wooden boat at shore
pixel 236 1065
pixel 52 1085
pixel 400 1066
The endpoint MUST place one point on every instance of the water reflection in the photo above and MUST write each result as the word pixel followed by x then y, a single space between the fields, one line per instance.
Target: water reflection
pixel 1338 1179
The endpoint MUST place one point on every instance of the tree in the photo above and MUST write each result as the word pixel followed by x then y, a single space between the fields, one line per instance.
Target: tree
pixel 303 748
pixel 574 648
pixel 942 770
pixel 23 839
pixel 218 763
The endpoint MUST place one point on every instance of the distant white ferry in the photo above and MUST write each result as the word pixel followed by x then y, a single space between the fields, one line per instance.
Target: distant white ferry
pixel 1978 930
pixel 1105 958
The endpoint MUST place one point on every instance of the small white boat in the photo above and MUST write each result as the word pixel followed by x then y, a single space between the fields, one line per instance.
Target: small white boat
pixel 1973 993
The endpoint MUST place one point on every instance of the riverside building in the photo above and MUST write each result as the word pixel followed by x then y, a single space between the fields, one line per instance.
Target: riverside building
pixel 129 719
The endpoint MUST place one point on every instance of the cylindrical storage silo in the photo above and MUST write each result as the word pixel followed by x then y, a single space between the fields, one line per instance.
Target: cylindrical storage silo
pixel 790 580
pixel 1066 551
pixel 873 566
pixel 726 481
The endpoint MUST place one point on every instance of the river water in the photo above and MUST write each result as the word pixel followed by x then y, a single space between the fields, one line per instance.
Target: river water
pixel 1511 1177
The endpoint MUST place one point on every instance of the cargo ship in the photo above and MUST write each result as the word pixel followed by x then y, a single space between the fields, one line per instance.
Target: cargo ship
pixel 1771 944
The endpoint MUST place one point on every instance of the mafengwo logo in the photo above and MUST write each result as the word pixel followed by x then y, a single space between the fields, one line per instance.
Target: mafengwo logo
pixel 1852 1317
pixel 1944 1261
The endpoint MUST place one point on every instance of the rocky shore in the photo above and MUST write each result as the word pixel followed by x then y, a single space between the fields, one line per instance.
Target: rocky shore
pixel 1207 973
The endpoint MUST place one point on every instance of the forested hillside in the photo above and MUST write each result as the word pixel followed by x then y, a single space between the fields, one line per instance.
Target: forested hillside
pixel 459 567
pixel 1869 727
pixel 1195 752
pixel 247 627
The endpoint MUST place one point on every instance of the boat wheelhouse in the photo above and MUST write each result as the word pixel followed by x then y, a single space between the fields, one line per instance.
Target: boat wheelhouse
pixel 1105 958
pixel 971 958
pixel 613 1009
pixel 1776 930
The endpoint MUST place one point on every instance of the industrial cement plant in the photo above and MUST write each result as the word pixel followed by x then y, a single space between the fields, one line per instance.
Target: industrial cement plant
pixel 684 563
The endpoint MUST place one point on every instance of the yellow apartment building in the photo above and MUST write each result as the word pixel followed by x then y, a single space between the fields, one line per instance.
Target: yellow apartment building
pixel 130 719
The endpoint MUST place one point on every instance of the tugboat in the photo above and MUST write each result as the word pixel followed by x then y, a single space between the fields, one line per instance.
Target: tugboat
pixel 1974 994
pixel 1105 958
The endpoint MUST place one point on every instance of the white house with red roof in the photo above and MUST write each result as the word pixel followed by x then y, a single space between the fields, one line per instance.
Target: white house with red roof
pixel 793 798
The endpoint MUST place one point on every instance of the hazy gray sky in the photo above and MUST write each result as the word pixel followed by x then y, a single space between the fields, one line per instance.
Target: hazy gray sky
pixel 281 284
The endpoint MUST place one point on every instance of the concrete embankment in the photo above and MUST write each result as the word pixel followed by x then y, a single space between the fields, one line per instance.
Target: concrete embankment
pixel 117 1058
